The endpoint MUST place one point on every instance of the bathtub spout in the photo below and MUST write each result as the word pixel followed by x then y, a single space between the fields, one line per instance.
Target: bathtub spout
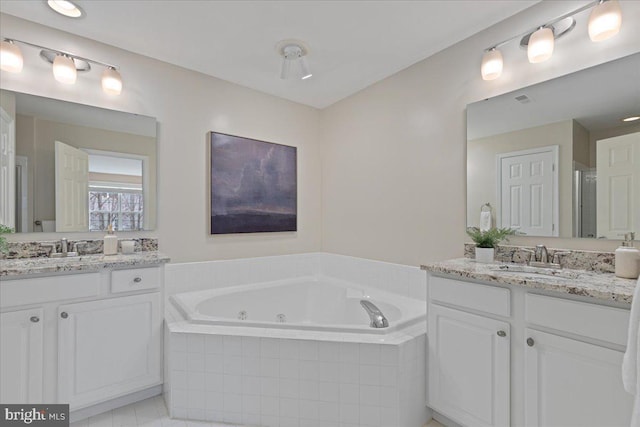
pixel 377 318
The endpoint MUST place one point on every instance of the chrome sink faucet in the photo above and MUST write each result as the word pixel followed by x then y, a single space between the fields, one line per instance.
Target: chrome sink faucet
pixel 542 255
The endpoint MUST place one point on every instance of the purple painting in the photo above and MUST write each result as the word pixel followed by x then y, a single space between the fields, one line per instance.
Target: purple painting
pixel 253 185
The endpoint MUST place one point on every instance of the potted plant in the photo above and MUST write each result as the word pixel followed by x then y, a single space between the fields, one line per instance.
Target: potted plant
pixel 4 246
pixel 486 241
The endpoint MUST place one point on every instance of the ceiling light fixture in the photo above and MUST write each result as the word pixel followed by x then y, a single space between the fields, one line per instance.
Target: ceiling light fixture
pixel 631 119
pixel 66 8
pixel 605 22
pixel 64 64
pixel 294 63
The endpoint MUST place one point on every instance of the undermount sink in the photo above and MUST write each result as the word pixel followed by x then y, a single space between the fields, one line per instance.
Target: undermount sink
pixel 538 271
pixel 62 255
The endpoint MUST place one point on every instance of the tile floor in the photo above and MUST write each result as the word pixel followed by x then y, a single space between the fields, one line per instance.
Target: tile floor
pixel 152 413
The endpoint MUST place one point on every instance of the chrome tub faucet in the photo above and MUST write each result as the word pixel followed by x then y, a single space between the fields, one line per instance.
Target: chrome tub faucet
pixel 377 318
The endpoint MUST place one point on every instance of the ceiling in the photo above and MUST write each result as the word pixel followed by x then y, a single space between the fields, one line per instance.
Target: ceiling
pixel 352 44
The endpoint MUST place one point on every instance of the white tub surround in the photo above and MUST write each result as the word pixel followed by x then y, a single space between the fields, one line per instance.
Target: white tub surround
pixel 86 331
pixel 323 366
pixel 520 348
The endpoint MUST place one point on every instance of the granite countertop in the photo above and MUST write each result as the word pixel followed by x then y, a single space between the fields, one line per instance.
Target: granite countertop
pixel 602 286
pixel 33 266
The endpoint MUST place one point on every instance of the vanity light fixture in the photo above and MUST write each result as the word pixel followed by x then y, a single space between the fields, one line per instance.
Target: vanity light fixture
pixel 491 64
pixel 65 7
pixel 294 63
pixel 10 57
pixel 541 45
pixel 64 64
pixel 604 22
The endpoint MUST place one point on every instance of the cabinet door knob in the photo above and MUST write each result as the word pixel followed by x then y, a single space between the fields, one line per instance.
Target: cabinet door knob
pixel 530 342
pixel 138 279
pixel 502 333
pixel 64 314
pixel 34 319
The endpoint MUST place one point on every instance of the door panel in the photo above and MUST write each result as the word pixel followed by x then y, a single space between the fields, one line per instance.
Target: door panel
pixel 618 185
pixel 528 191
pixel 72 188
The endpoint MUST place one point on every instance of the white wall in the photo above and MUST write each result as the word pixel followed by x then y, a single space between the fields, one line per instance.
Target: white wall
pixel 394 158
pixel 187 105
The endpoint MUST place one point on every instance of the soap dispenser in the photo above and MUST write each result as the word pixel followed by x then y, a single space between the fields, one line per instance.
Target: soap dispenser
pixel 110 245
pixel 628 258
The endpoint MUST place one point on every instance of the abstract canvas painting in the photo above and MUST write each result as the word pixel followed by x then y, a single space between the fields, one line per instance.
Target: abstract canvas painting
pixel 253 185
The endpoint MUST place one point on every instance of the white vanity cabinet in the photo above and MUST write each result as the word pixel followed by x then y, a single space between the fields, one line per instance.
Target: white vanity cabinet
pixel 21 356
pixel 108 348
pixel 469 354
pixel 83 338
pixel 510 356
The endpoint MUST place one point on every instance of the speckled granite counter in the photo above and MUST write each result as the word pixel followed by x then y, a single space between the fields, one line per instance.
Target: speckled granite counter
pixel 33 266
pixel 603 286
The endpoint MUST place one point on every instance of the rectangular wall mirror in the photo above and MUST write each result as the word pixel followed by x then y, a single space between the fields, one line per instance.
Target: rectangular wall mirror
pixel 558 158
pixel 67 167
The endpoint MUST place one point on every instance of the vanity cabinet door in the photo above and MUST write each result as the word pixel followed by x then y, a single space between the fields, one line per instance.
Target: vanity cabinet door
pixel 469 366
pixel 21 356
pixel 573 383
pixel 108 348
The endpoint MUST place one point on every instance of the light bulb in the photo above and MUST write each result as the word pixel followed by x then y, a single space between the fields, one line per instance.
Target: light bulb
pixel 111 81
pixel 10 57
pixel 491 67
pixel 540 45
pixel 64 70
pixel 605 20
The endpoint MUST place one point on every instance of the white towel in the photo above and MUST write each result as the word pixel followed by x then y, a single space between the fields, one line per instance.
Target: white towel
pixel 485 220
pixel 631 358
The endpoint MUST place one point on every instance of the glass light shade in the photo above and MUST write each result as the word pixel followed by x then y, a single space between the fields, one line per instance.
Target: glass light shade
pixel 10 57
pixel 64 70
pixel 540 45
pixel 605 21
pixel 492 63
pixel 65 8
pixel 304 68
pixel 111 81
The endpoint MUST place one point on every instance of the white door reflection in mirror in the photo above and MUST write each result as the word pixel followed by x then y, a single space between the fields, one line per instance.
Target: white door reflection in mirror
pixel 72 188
pixel 7 167
pixel 618 185
pixel 527 191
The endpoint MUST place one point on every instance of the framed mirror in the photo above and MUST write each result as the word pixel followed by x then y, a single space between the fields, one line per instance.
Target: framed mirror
pixel 560 158
pixel 67 167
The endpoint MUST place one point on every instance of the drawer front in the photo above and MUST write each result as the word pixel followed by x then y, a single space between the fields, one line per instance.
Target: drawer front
pixel 589 320
pixel 135 279
pixel 489 299
pixel 40 290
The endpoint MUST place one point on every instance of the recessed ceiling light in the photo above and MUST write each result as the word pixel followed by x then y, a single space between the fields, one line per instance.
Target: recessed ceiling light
pixel 65 7
pixel 631 119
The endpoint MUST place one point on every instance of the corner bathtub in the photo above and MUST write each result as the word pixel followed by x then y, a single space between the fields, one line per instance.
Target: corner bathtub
pixel 316 304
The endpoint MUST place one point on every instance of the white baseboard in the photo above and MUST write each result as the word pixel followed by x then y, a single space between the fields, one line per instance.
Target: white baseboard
pixel 118 402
